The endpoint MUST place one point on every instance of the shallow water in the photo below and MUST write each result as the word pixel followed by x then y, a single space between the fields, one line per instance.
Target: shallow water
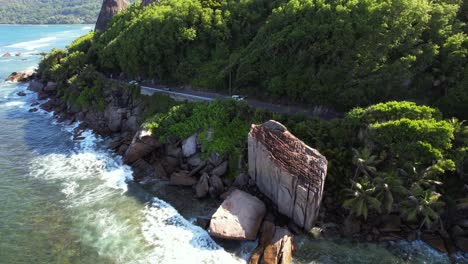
pixel 65 201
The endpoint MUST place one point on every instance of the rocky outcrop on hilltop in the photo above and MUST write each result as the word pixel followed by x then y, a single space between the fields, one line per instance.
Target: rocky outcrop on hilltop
pixel 21 76
pixel 148 2
pixel 108 10
pixel 287 171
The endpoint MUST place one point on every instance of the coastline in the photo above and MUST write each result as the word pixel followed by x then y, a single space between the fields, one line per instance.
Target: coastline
pixel 330 224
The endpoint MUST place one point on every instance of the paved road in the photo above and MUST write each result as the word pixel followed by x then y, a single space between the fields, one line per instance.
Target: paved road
pixel 198 96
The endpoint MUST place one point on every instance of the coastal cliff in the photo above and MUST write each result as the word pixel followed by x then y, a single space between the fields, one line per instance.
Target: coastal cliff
pixel 108 10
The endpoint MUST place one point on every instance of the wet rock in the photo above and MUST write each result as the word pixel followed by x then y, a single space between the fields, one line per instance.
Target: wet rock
pixel 33 110
pixel 159 171
pixel 202 187
pixel 216 186
pixel 108 10
pixel 21 93
pixel 35 86
pixel 142 169
pixel 7 55
pixel 287 171
pixel 462 243
pixel 122 149
pixel 21 76
pixel 203 222
pixel 42 96
pixel 239 217
pixel 182 178
pixel 435 241
pixel 115 117
pixel 220 170
pixel 457 231
pixel 189 146
pixel 35 104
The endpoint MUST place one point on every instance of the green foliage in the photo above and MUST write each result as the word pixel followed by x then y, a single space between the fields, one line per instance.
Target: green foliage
pixel 222 125
pixel 335 53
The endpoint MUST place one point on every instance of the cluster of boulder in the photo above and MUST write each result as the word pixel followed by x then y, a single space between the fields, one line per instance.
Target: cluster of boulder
pixel 21 76
pixel 251 204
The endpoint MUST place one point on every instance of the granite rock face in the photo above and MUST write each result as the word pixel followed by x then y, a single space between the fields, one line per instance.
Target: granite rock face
pixel 287 171
pixel 108 10
pixel 239 217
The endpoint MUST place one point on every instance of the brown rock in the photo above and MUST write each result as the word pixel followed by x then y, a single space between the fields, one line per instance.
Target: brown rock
pixel 142 169
pixel 266 235
pixel 216 186
pixel 239 217
pixel 108 10
pixel 182 178
pixel 220 170
pixel 159 171
pixel 21 76
pixel 33 110
pixel 435 241
pixel 287 171
pixel 7 55
pixel 202 187
pixel 203 222
pixel 137 151
pixel 279 251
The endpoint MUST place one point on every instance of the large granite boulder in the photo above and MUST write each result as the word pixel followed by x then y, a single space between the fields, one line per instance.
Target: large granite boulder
pixel 239 217
pixel 143 144
pixel 108 10
pixel 35 86
pixel 287 171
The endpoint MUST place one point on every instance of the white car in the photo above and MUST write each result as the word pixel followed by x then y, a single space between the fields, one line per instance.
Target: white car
pixel 238 97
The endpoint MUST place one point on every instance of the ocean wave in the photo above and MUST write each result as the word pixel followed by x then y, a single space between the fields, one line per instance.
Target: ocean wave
pixel 34 44
pixel 94 183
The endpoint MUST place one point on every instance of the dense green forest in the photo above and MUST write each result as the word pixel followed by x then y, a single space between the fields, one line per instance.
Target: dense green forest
pixel 406 157
pixel 49 11
pixel 335 53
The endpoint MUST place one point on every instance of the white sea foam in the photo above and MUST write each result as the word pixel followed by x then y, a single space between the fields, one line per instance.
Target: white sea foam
pixel 118 226
pixel 34 44
pixel 18 104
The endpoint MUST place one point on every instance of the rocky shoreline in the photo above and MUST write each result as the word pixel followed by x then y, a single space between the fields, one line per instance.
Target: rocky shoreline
pixel 181 163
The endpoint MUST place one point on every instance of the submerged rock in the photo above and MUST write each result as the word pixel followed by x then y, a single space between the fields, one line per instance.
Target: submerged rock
pixel 287 171
pixel 239 217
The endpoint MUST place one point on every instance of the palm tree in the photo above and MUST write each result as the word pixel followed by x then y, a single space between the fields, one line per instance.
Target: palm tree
pixel 365 162
pixel 362 198
pixel 389 187
pixel 422 204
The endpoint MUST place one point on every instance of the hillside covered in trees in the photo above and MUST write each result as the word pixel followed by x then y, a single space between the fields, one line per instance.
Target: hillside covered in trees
pixel 49 11
pixel 335 53
pixel 397 68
